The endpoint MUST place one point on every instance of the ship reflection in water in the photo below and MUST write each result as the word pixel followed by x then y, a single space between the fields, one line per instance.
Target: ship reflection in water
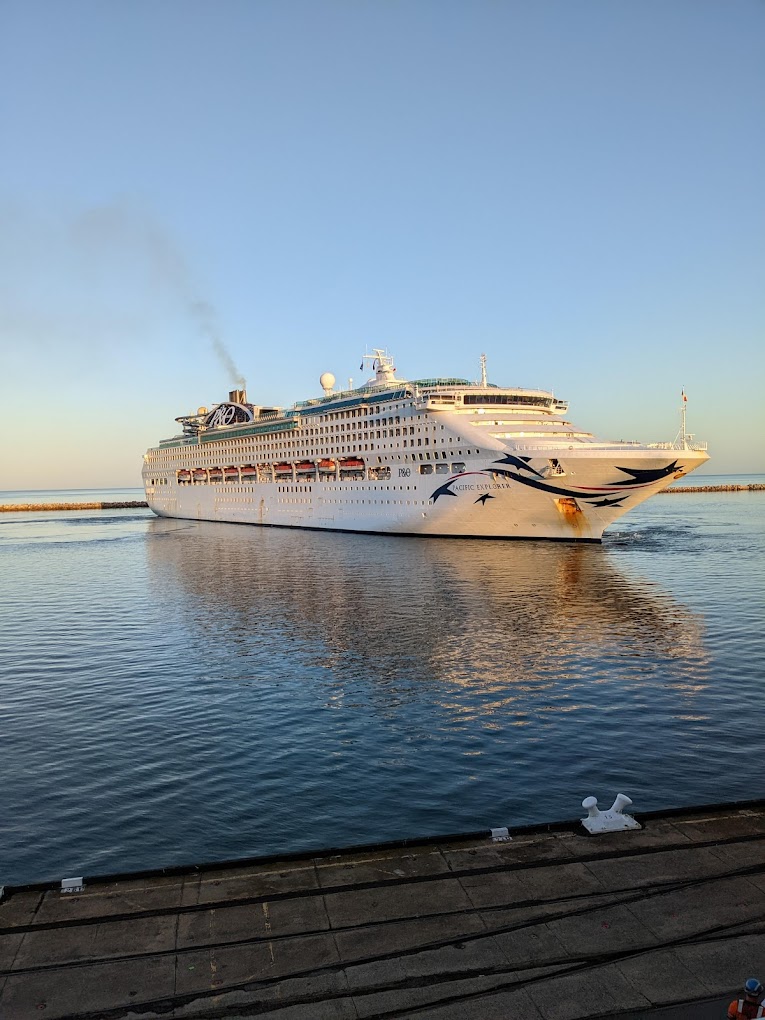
pixel 508 633
pixel 209 691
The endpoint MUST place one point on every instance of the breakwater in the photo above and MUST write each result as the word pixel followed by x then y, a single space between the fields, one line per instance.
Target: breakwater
pixel 714 488
pixel 140 504
pixel 135 504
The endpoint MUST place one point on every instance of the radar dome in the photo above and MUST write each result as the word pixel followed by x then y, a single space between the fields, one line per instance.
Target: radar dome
pixel 327 381
pixel 201 410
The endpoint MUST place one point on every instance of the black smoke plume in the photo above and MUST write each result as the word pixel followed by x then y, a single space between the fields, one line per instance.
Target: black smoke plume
pixel 133 232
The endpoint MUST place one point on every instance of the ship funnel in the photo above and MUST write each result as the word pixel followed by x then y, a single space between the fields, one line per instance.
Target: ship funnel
pixel 237 396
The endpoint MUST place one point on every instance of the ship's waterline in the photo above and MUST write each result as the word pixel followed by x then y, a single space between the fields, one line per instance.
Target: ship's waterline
pixel 439 457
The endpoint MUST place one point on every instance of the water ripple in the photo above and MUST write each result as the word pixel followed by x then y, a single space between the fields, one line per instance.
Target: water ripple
pixel 176 692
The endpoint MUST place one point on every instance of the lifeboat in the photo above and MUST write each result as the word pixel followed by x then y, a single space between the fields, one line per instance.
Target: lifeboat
pixel 351 464
pixel 215 474
pixel 184 475
pixel 326 465
pixel 231 474
pixel 248 471
pixel 283 469
pixel 305 467
pixel 200 475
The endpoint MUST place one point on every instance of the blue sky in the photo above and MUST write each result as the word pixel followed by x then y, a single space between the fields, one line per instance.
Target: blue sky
pixel 573 188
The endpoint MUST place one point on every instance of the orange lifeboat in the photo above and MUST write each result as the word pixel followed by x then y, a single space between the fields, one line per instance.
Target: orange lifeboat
pixel 231 473
pixel 326 465
pixel 248 470
pixel 305 467
pixel 351 464
pixel 283 469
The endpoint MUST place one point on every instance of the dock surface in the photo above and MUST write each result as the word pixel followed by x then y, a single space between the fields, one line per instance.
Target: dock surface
pixel 552 925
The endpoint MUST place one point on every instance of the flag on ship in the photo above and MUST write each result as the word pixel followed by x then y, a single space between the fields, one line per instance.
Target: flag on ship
pixel 685 399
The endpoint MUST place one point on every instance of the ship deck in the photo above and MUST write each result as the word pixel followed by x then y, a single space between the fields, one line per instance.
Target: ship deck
pixel 552 925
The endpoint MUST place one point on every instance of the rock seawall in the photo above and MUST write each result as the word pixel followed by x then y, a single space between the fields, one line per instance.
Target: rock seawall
pixel 757 487
pixel 8 508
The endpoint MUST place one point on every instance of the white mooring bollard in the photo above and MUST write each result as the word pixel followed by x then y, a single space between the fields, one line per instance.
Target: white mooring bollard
pixel 613 820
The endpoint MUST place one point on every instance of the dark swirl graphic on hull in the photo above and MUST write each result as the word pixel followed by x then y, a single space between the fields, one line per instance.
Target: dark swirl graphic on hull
pixel 522 463
pixel 596 496
pixel 642 477
pixel 444 490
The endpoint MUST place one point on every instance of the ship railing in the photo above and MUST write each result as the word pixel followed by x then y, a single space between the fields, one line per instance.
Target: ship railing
pixel 397 389
pixel 688 444
pixel 338 395
pixel 430 387
pixel 445 385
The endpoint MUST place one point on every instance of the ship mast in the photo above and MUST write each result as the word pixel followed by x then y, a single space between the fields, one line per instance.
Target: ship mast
pixel 683 434
pixel 484 381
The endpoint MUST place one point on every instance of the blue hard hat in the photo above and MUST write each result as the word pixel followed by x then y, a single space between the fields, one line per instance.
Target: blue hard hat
pixel 752 986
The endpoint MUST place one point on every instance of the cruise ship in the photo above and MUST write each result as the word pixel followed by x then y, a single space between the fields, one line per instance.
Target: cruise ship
pixel 442 456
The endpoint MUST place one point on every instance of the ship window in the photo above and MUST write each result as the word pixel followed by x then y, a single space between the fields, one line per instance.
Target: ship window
pixel 426 469
pixel 458 467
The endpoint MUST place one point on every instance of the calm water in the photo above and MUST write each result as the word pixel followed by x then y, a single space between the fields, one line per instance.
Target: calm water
pixel 176 692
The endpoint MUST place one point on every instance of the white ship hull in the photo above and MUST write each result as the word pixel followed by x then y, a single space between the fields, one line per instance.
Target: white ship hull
pixel 439 457
pixel 510 509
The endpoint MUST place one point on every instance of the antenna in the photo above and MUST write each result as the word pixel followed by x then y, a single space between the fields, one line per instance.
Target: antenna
pixel 483 371
pixel 683 434
pixel 382 366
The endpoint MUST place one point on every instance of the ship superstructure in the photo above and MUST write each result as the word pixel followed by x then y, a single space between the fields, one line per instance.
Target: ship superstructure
pixel 441 456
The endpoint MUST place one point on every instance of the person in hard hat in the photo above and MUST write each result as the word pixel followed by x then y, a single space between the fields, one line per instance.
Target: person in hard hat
pixel 750 1007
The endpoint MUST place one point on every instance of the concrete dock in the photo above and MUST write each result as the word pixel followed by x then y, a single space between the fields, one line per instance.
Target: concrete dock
pixel 552 925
